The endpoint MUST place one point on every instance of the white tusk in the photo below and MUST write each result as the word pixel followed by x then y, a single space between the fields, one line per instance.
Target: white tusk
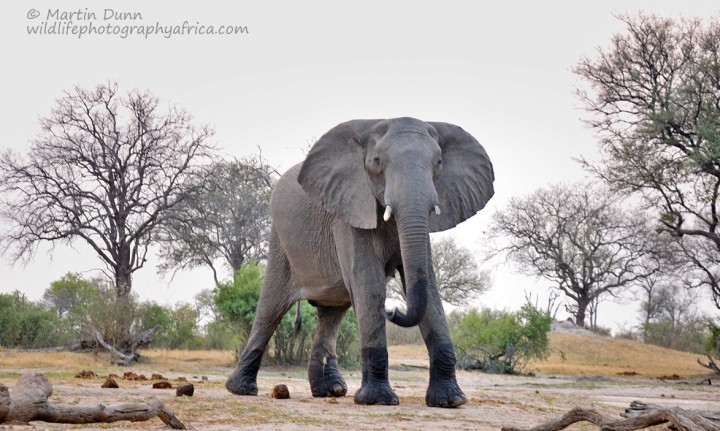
pixel 437 209
pixel 388 213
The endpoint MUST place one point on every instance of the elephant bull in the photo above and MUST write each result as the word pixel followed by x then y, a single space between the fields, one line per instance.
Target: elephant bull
pixel 359 208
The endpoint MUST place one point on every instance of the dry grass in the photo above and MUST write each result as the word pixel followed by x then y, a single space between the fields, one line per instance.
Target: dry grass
pixel 190 358
pixel 604 356
pixel 571 355
pixel 68 363
pixel 59 361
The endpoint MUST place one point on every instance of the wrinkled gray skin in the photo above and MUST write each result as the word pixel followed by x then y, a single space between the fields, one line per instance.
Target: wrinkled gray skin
pixel 331 245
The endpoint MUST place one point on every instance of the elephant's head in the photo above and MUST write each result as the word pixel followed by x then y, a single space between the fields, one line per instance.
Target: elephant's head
pixel 428 176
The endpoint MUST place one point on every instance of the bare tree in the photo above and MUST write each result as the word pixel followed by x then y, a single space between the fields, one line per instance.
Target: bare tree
pixel 459 280
pixel 226 219
pixel 651 294
pixel 653 96
pixel 105 169
pixel 577 237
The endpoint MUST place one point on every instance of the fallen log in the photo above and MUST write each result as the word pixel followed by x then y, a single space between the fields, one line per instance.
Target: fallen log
pixel 638 416
pixel 77 347
pixel 29 403
pixel 128 350
pixel 638 408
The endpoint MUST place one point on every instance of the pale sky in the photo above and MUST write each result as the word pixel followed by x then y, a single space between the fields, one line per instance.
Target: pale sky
pixel 501 70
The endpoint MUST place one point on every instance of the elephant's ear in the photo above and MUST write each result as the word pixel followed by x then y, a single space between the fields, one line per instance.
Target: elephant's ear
pixel 466 182
pixel 334 174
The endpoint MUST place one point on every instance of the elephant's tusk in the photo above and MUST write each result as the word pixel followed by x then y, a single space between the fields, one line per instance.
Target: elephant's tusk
pixel 388 213
pixel 437 209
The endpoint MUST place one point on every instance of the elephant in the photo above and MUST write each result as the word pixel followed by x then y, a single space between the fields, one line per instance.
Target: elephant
pixel 358 209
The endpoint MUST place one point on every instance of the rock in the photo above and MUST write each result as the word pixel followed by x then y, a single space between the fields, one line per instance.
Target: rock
pixel 280 392
pixel 569 327
pixel 187 390
pixel 157 377
pixel 162 385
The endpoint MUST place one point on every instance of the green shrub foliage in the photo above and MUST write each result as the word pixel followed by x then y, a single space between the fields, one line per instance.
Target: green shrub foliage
pixel 26 324
pixel 500 341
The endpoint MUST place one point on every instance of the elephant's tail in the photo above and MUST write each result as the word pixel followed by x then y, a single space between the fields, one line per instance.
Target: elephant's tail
pixel 298 319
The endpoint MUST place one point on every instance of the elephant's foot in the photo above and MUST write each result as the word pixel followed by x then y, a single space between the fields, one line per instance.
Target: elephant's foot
pixel 239 384
pixel 376 393
pixel 243 381
pixel 443 390
pixel 325 379
pixel 375 387
pixel 444 393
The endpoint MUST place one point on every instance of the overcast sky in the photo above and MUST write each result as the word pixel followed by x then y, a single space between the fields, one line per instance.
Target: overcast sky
pixel 501 70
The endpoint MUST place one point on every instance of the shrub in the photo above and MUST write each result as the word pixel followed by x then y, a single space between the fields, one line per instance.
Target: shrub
pixel 26 324
pixel 689 334
pixel 500 341
pixel 236 301
pixel 348 343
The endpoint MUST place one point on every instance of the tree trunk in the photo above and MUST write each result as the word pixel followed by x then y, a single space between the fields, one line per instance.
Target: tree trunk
pixel 30 403
pixel 124 316
pixel 582 305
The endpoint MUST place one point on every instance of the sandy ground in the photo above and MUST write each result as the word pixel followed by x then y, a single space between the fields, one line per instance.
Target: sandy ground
pixel 494 401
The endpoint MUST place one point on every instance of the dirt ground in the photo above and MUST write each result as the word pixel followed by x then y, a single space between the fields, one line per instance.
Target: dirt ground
pixel 494 401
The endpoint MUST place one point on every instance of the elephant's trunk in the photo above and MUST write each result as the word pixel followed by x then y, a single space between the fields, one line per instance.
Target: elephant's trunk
pixel 414 246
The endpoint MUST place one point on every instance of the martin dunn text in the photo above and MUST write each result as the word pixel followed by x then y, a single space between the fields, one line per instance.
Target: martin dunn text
pixel 88 15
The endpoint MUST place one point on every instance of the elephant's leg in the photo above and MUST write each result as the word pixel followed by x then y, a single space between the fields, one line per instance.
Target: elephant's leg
pixel 369 306
pixel 364 275
pixel 375 387
pixel 443 390
pixel 323 372
pixel 276 298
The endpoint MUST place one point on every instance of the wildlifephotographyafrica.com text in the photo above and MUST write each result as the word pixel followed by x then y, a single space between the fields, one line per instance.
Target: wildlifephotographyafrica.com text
pixel 117 23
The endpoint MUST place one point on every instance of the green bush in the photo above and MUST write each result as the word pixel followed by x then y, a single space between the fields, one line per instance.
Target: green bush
pixel 712 340
pixel 689 335
pixel 348 343
pixel 292 347
pixel 178 325
pixel 236 301
pixel 26 324
pixel 500 341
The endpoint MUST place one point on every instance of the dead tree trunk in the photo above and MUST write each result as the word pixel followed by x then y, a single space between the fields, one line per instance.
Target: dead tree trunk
pixel 30 403
pixel 711 364
pixel 638 416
